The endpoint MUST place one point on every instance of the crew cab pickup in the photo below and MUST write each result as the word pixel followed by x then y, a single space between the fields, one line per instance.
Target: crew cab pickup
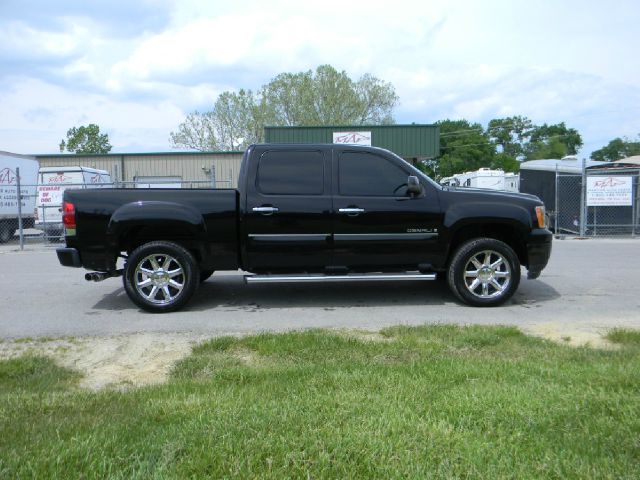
pixel 313 212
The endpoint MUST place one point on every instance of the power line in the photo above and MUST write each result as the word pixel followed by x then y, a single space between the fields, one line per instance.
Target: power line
pixel 492 144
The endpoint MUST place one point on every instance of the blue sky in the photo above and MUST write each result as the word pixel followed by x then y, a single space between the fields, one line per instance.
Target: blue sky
pixel 137 67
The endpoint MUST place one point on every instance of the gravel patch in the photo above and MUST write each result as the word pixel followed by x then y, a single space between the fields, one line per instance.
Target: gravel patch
pixel 118 361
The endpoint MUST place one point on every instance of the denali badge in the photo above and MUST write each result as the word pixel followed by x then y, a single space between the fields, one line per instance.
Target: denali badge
pixel 422 230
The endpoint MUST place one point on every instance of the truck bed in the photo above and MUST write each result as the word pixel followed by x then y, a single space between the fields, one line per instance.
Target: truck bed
pixel 207 218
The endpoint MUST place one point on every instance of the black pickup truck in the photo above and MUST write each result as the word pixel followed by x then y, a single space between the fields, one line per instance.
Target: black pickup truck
pixel 308 213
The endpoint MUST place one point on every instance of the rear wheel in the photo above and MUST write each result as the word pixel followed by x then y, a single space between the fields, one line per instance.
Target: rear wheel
pixel 161 276
pixel 6 232
pixel 484 272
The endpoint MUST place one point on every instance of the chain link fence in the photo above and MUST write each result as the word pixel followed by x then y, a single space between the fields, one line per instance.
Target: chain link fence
pixel 35 215
pixel 600 203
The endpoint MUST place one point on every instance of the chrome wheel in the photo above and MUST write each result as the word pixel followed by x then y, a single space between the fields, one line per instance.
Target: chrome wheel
pixel 159 278
pixel 484 272
pixel 487 274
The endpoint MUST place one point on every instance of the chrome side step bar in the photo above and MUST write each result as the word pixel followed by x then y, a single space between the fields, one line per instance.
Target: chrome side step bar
pixel 359 277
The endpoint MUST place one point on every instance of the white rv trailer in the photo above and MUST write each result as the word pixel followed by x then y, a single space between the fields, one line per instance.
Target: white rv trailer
pixel 484 178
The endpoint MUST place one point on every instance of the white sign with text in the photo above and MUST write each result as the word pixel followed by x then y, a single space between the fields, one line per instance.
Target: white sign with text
pixel 611 191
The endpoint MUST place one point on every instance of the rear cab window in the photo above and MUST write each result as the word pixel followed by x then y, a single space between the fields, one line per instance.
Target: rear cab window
pixel 292 172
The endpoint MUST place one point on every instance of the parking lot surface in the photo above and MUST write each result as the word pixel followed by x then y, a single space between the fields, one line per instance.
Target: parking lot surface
pixel 588 287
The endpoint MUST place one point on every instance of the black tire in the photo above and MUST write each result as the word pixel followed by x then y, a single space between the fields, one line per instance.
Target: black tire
pixel 496 276
pixel 205 274
pixel 6 233
pixel 161 277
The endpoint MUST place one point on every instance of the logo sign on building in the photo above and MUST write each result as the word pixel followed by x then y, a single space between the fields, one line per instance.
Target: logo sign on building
pixel 609 191
pixel 352 138
pixel 7 176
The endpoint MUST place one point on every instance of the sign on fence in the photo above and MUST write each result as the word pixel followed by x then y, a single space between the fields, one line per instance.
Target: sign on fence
pixel 613 191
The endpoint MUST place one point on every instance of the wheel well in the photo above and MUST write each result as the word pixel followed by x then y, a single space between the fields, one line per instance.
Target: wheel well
pixel 498 231
pixel 138 236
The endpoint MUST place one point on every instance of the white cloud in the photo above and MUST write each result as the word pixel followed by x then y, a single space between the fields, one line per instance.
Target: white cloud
pixel 49 110
pixel 21 40
pixel 205 41
pixel 570 61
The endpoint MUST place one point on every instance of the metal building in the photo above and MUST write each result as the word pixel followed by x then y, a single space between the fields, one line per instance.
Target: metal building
pixel 412 142
pixel 200 168
pixel 205 169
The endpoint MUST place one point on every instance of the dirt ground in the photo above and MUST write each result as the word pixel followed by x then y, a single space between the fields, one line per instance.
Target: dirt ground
pixel 118 361
pixel 140 359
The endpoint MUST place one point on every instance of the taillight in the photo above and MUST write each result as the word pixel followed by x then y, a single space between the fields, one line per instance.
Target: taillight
pixel 69 218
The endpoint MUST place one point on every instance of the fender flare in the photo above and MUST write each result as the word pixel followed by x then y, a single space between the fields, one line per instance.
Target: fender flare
pixel 158 215
pixel 458 216
pixel 480 214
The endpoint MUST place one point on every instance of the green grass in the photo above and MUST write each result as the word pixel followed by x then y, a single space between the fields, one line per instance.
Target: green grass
pixel 43 339
pixel 624 336
pixel 33 374
pixel 425 402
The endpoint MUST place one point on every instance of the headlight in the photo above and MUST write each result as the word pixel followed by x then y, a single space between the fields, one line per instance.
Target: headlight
pixel 540 215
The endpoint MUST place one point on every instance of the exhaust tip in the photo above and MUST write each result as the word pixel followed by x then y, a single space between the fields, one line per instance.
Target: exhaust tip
pixel 100 276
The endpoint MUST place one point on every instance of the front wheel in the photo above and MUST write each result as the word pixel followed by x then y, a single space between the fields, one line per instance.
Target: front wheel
pixel 484 272
pixel 161 276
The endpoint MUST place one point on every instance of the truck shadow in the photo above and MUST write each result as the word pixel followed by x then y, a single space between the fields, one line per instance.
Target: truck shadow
pixel 230 293
pixel 114 301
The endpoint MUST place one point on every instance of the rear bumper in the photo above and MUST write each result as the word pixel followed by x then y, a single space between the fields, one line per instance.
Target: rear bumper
pixel 69 257
pixel 538 251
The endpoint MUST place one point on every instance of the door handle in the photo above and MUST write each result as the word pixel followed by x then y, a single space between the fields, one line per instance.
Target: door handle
pixel 265 210
pixel 351 211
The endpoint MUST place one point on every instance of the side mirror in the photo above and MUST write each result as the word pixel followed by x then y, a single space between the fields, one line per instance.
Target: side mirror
pixel 413 186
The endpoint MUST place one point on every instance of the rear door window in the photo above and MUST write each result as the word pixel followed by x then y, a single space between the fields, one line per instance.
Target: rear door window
pixel 294 172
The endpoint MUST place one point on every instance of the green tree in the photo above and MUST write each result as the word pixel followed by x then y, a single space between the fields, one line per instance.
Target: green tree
pixel 464 147
pixel 86 140
pixel 511 134
pixel 505 162
pixel 236 120
pixel 553 141
pixel 323 97
pixel 552 148
pixel 617 149
pixel 329 97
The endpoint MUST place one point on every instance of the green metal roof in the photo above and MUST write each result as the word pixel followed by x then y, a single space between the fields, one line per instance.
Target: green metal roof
pixel 409 141
pixel 138 154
